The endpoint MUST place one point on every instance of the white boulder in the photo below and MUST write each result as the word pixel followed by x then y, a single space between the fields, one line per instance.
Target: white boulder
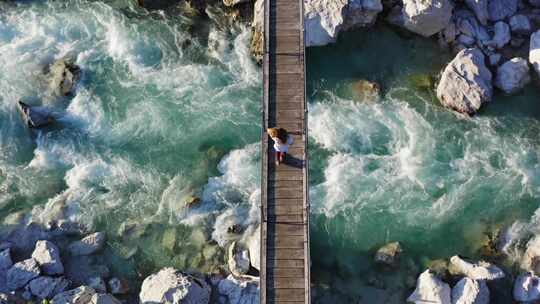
pixel 254 247
pixel 534 51
pixel 430 289
pixel 476 271
pixel 527 288
pixel 469 291
pixel 323 19
pixel 513 75
pixel 48 257
pixel 170 286
pixel 426 17
pixel 466 82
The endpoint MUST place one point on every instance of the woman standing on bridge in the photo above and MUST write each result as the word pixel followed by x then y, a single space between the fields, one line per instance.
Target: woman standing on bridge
pixel 282 141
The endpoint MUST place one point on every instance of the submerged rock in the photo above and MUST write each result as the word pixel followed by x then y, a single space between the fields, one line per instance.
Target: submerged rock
pixel 88 245
pixel 430 289
pixel 466 82
pixel 64 76
pixel 513 75
pixel 170 286
pixel 366 90
pixel 469 291
pixel 389 254
pixel 426 17
pixel 48 257
pixel 527 288
pixel 238 259
pixel 36 117
pixel 157 4
pixel 477 271
pixel 21 273
pixel 118 286
pixel 80 295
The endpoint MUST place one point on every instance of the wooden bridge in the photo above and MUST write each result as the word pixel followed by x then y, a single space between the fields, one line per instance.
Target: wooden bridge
pixel 285 260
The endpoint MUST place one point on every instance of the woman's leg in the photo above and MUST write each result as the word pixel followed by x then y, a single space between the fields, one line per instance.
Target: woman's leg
pixel 278 157
pixel 282 156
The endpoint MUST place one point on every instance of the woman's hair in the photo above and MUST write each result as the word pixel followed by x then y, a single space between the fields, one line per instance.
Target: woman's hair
pixel 273 132
pixel 283 135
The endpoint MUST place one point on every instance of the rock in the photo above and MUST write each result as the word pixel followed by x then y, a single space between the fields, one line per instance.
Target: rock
pixel 438 267
pixel 469 291
pixel 535 3
pixel 239 290
pixel 21 273
pixel 80 295
pixel 168 240
pixel 480 9
pixel 238 259
pixel 233 2
pixel 98 284
pixel 361 13
pixel 157 4
pixel 423 82
pixel 5 259
pixel 476 271
pixel 448 34
pixel 10 299
pixel 466 40
pixel 534 51
pixel 389 254
pixel 48 257
pixel 88 245
pixel 426 17
pixel 117 286
pixel 516 42
pixel 365 90
pixel 64 76
pixel 36 117
pixel 501 9
pixel 80 269
pixel 520 24
pixel 527 288
pixel 513 75
pixel 469 26
pixel 254 247
pixel 501 36
pixel 192 201
pixel 531 257
pixel 323 19
pixel 103 298
pixel 47 287
pixel 170 286
pixel 466 82
pixel 430 289
pixel 494 59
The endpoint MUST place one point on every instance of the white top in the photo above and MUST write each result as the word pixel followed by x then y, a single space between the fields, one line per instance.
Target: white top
pixel 282 147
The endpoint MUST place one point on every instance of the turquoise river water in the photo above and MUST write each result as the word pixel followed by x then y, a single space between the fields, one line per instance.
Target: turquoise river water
pixel 169 107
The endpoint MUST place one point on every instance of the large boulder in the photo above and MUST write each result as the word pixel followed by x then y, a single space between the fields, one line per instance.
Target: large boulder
pixel 426 17
pixel 257 30
pixel 430 289
pixel 21 273
pixel 531 259
pixel 480 9
pixel 48 257
pixel 88 245
pixel 527 288
pixel 254 247
pixel 64 76
pixel 501 9
pixel 361 13
pixel 477 271
pixel 170 286
pixel 469 291
pixel 466 82
pixel 513 75
pixel 5 259
pixel 80 295
pixel 239 290
pixel 47 287
pixel 323 19
pixel 534 51
pixel 238 259
pixel 36 116
pixel 389 254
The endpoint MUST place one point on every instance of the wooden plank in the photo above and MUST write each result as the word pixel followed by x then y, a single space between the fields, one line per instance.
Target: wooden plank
pixel 291 242
pixel 279 209
pixel 286 202
pixel 287 229
pixel 285 218
pixel 287 283
pixel 288 264
pixel 287 295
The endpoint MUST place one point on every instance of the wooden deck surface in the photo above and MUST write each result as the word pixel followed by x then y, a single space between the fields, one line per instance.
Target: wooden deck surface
pixel 285 275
